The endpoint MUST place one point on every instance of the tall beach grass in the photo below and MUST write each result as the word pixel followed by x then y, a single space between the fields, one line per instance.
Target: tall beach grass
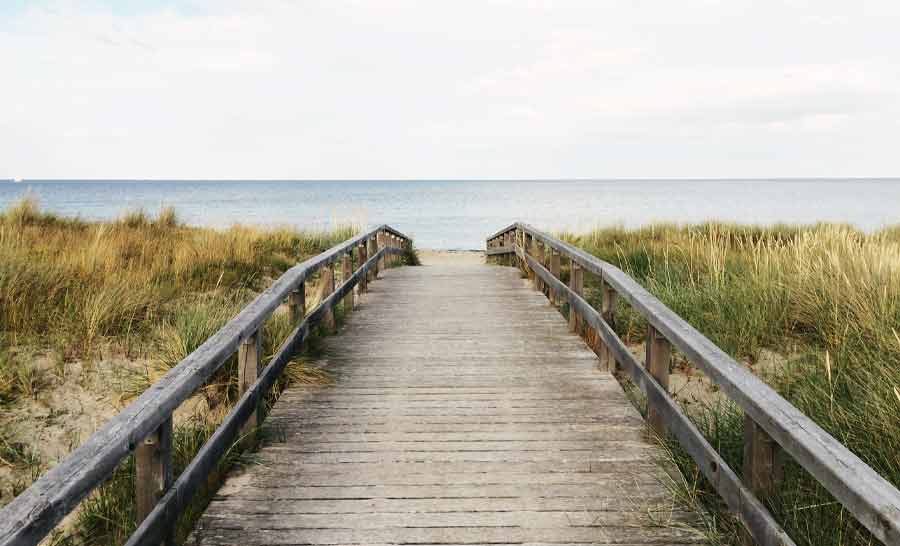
pixel 145 288
pixel 825 297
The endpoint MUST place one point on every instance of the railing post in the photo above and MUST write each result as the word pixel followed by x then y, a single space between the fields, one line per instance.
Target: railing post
pixel 373 249
pixel 517 243
pixel 346 273
pixel 297 303
pixel 248 371
pixel 608 310
pixel 153 472
pixel 395 243
pixel 763 468
pixel 388 243
pixel 528 248
pixel 539 257
pixel 362 250
pixel 326 290
pixel 554 270
pixel 576 283
pixel 379 240
pixel 657 359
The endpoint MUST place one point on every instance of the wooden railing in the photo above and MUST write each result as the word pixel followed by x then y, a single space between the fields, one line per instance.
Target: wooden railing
pixel 771 422
pixel 144 427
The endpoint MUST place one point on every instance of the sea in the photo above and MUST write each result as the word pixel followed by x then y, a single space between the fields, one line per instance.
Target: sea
pixel 459 214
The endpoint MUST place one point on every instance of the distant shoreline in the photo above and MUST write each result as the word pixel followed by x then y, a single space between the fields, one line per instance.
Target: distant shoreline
pixel 461 180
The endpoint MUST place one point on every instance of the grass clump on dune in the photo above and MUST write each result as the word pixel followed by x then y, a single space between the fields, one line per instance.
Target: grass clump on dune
pixel 145 290
pixel 825 296
pixel 74 283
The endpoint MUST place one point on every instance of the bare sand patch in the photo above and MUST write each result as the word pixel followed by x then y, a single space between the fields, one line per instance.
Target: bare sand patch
pixel 450 257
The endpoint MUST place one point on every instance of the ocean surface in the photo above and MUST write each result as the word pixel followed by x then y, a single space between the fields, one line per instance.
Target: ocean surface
pixel 460 214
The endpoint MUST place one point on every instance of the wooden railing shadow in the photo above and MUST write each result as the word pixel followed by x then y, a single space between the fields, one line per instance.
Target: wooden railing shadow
pixel 771 423
pixel 144 427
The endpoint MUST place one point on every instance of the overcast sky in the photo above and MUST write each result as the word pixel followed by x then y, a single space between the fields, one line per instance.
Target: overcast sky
pixel 456 89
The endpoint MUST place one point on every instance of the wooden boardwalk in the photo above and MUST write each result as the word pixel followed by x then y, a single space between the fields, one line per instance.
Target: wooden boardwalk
pixel 463 411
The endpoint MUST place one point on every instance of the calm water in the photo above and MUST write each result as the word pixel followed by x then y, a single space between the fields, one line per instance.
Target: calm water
pixel 458 215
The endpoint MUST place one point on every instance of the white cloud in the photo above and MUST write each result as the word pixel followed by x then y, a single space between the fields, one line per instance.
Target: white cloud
pixel 408 89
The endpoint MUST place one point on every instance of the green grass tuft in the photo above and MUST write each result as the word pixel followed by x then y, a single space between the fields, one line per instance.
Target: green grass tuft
pixel 825 295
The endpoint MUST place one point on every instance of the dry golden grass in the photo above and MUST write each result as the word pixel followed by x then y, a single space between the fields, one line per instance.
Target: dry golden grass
pixel 73 283
pixel 828 295
pixel 143 286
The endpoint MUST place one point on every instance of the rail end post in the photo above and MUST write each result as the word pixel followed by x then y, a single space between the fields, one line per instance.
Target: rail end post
pixel 576 282
pixel 763 466
pixel 327 289
pixel 657 360
pixel 153 474
pixel 249 353
pixel 297 303
pixel 346 273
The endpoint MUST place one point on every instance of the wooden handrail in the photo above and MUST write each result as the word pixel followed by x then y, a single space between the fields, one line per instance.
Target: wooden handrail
pixel 873 501
pixel 37 510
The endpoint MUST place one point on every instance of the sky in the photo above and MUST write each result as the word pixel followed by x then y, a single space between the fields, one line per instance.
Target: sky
pixel 266 89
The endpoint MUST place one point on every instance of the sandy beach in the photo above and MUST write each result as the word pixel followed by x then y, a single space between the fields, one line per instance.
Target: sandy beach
pixel 433 257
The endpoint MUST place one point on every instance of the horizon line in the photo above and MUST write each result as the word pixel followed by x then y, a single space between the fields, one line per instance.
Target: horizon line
pixel 573 179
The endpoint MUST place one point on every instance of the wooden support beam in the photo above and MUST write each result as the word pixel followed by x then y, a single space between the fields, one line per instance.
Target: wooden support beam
pixel 529 247
pixel 608 310
pixel 390 244
pixel 576 283
pixel 346 273
pixel 379 240
pixel 554 270
pixel 249 354
pixel 373 249
pixel 153 473
pixel 361 254
pixel 539 256
pixel 297 303
pixel 657 361
pixel 763 465
pixel 327 288
pixel 394 244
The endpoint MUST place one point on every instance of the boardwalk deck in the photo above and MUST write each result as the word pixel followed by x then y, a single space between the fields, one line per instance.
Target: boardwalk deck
pixel 462 412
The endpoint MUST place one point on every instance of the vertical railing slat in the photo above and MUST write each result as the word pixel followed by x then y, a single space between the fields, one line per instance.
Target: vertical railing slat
pixel 346 273
pixel 153 472
pixel 248 371
pixel 657 360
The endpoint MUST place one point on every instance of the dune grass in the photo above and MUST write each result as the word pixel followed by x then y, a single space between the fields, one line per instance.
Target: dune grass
pixel 826 297
pixel 71 283
pixel 144 287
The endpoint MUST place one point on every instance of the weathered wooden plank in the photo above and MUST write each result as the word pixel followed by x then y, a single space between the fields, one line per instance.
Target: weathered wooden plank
pixel 643 497
pixel 526 519
pixel 237 535
pixel 436 417
pixel 275 475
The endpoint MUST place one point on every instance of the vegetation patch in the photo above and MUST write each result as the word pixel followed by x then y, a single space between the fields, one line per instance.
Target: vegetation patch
pixel 826 297
pixel 92 314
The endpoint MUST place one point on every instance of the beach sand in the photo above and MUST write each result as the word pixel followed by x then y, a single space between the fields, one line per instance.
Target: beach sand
pixel 434 257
